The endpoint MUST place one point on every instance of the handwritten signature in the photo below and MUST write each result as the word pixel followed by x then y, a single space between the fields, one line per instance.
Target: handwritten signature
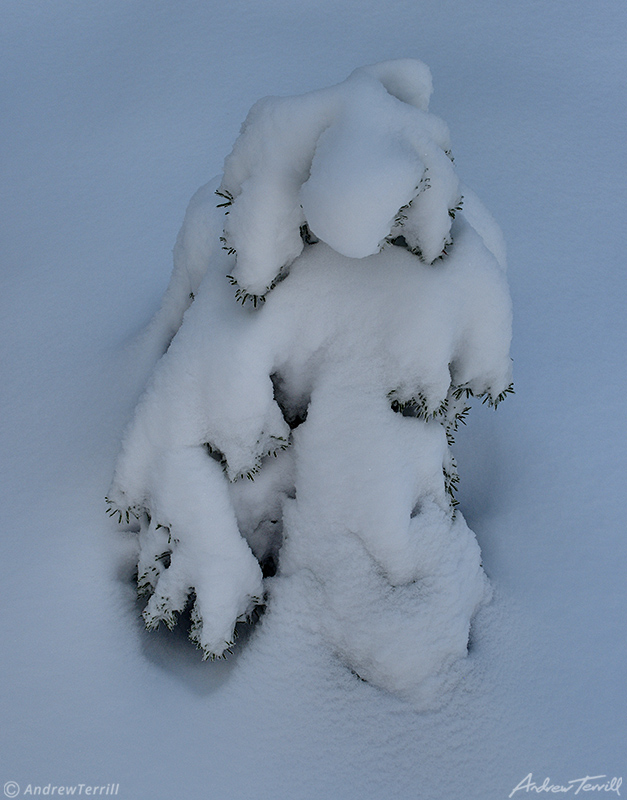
pixel 591 783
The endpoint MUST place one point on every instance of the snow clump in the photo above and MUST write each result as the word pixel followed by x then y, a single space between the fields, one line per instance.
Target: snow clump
pixel 297 442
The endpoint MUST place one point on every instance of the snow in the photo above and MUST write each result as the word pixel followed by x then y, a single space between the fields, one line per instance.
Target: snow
pixel 371 501
pixel 378 334
pixel 114 113
pixel 344 160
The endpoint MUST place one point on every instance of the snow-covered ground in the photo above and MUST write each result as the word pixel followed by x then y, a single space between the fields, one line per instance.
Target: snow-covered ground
pixel 113 114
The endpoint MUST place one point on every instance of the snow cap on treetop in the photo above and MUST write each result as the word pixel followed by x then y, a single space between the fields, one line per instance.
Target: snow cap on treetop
pixel 357 163
pixel 407 79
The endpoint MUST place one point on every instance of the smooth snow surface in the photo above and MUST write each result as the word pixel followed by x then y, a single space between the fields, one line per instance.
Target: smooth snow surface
pixel 113 114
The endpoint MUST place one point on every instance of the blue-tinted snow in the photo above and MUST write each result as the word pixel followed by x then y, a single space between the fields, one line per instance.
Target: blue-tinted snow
pixel 113 114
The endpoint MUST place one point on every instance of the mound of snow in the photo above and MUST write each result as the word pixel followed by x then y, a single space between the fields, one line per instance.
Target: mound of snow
pixel 312 430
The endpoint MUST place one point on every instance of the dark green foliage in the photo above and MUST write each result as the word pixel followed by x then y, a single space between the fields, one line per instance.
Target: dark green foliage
pixel 228 199
pixel 281 444
pixel 452 411
pixel 306 235
pixel 242 296
pixel 123 514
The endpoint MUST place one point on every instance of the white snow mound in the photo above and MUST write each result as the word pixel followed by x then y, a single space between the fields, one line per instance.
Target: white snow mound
pixel 343 160
pixel 311 431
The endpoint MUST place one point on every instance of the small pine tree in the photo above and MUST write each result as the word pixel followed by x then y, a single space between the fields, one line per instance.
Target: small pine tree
pixel 343 298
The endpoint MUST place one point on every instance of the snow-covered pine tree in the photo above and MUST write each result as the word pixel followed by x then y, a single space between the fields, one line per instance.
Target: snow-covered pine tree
pixel 337 296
